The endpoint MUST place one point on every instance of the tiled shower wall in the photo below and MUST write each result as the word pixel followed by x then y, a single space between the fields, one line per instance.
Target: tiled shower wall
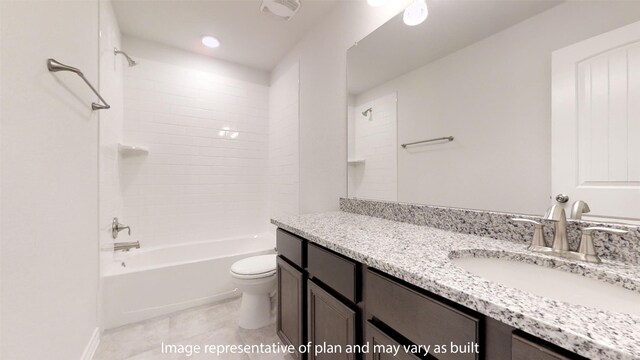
pixel 374 140
pixel 283 144
pixel 205 176
pixel 111 72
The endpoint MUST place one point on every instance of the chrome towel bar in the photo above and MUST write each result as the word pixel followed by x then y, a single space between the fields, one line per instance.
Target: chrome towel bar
pixel 55 66
pixel 448 138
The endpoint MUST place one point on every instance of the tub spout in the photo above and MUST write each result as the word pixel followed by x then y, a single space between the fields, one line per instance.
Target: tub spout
pixel 126 246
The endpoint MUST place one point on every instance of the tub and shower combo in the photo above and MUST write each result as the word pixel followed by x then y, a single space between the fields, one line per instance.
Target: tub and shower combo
pixel 150 282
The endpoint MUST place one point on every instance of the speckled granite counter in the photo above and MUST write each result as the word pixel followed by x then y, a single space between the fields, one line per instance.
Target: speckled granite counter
pixel 421 256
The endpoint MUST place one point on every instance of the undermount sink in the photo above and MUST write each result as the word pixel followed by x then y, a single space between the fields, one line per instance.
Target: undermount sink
pixel 553 284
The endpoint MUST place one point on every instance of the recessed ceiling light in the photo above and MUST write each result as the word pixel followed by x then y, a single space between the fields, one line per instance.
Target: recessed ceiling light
pixel 416 13
pixel 210 42
pixel 376 3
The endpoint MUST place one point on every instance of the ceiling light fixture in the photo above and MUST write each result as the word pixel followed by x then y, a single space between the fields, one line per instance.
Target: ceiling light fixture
pixel 280 9
pixel 210 42
pixel 376 3
pixel 416 13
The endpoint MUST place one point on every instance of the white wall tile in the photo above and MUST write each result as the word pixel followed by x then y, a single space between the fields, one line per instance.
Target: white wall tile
pixel 284 144
pixel 375 140
pixel 197 182
pixel 110 131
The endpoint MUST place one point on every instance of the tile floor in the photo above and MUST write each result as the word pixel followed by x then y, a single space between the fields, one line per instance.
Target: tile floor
pixel 204 325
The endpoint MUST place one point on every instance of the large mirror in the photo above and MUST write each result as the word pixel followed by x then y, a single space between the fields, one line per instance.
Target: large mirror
pixel 501 106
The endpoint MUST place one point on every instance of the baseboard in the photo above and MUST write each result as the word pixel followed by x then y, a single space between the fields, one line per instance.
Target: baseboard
pixel 92 346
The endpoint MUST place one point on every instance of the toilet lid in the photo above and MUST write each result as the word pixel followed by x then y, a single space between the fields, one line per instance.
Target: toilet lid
pixel 262 265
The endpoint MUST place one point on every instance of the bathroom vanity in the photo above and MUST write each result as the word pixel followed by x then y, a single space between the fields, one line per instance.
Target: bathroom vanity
pixel 350 279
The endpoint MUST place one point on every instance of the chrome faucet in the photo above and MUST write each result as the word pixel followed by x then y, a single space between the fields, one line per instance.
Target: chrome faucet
pixel 579 207
pixel 586 249
pixel 560 241
pixel 116 227
pixel 126 246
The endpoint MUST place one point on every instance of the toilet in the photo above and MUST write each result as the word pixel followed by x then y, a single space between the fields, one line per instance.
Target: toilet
pixel 255 277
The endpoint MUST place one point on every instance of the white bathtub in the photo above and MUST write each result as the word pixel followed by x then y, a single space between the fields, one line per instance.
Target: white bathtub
pixel 162 280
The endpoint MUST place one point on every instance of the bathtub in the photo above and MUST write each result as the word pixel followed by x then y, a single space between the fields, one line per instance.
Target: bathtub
pixel 150 282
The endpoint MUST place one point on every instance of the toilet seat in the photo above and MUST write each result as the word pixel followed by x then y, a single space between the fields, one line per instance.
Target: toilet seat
pixel 254 267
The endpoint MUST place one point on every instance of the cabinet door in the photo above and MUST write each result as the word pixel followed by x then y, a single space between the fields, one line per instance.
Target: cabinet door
pixel 380 343
pixel 330 322
pixel 291 293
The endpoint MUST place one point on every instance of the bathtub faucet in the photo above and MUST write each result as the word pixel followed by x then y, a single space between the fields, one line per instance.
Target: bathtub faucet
pixel 116 227
pixel 126 246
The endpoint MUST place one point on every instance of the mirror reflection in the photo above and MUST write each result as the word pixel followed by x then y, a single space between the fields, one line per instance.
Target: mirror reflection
pixel 507 106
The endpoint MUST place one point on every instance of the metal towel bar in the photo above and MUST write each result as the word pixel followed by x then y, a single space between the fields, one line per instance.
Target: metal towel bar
pixel 448 138
pixel 55 66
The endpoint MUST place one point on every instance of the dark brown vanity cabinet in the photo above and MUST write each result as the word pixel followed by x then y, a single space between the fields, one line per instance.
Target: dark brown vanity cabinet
pixel 524 349
pixel 376 339
pixel 325 297
pixel 335 271
pixel 317 291
pixel 290 322
pixel 332 312
pixel 418 318
pixel 330 322
pixel 292 290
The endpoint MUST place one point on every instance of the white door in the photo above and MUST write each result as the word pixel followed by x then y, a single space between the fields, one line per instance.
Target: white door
pixel 596 124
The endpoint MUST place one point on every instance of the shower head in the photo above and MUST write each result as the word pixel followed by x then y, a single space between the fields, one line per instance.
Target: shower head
pixel 367 112
pixel 131 62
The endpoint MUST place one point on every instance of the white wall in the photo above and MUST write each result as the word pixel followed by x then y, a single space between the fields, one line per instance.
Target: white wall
pixel 374 141
pixel 197 182
pixel 495 98
pixel 284 96
pixel 49 177
pixel 323 98
pixel 110 129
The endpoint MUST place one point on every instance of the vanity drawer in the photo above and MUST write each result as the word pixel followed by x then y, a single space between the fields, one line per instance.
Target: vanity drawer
pixel 523 349
pixel 377 337
pixel 420 319
pixel 333 270
pixel 290 247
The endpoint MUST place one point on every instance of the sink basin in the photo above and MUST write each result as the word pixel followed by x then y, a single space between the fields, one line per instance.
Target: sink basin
pixel 553 284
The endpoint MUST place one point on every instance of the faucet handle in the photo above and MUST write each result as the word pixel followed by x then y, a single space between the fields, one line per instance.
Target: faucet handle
pixel 537 243
pixel 116 227
pixel 586 250
pixel 526 221
pixel 591 229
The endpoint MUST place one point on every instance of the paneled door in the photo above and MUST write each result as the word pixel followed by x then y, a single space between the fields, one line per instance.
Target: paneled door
pixel 596 124
pixel 330 322
pixel 290 319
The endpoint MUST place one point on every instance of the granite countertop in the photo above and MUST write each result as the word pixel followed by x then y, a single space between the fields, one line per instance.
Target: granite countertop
pixel 422 256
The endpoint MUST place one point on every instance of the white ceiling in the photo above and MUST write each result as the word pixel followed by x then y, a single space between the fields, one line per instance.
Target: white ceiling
pixel 247 36
pixel 395 49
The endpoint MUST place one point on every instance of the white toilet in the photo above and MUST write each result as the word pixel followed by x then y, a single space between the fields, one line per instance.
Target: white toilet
pixel 256 278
